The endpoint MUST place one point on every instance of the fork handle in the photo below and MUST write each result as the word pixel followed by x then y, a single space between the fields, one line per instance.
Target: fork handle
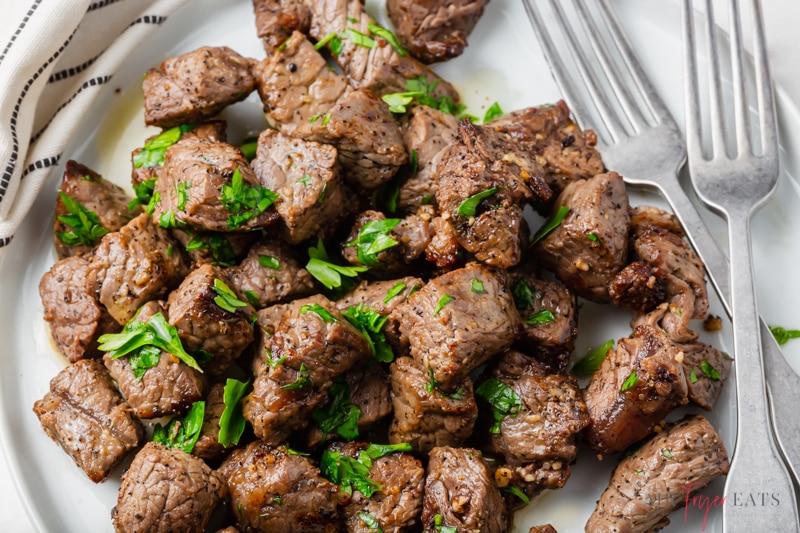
pixel 783 384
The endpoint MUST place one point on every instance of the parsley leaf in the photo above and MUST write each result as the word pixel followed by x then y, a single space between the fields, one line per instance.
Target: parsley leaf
pixel 444 300
pixel 143 192
pixel 221 249
pixel 244 201
pixel 438 524
pixel 544 316
pixel 249 148
pixel 492 113
pixel 370 521
pixel 372 239
pixel 86 226
pixel 333 40
pixel 268 261
pixel 630 381
pixel 182 433
pixel 523 295
pixel 476 286
pixel 388 36
pixel 303 379
pixel 469 207
pixel 783 335
pixel 504 401
pixel 666 452
pixel 320 311
pixel 305 180
pixel 348 473
pixel 590 362
pixel 710 372
pixel 232 423
pixel 152 154
pixel 358 38
pixel 394 291
pixel 551 224
pixel 371 324
pixel 327 273
pixel 339 415
pixel 226 298
pixel 516 491
pixel 397 102
pixel 693 376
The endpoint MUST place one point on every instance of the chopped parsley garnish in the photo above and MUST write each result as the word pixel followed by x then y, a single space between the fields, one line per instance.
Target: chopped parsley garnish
pixel 318 310
pixel 292 451
pixel 249 148
pixel 420 90
pixel 397 102
pixel 371 324
pixel 85 224
pixel 469 207
pixel 252 297
pixel 333 40
pixel 593 237
pixel 444 300
pixel 168 220
pixel 476 286
pixel 244 201
pixel 152 154
pixel 516 491
pixel 339 415
pixel 305 180
pixel 432 385
pixel 590 362
pixel 327 273
pixel 137 336
pixel 544 316
pixel 182 433
pixel 394 291
pixel 155 199
pixel 370 521
pixel 348 473
pixel 630 381
pixel 523 295
pixel 358 38
pixel 493 112
pixel 666 452
pixel 181 194
pixel 710 371
pixel 226 298
pixel 221 249
pixel 373 238
pixel 232 423
pixel 388 36
pixel 438 524
pixel 303 378
pixel 268 261
pixel 551 224
pixel 143 192
pixel 504 401
pixel 783 335
pixel 693 376
pixel 414 161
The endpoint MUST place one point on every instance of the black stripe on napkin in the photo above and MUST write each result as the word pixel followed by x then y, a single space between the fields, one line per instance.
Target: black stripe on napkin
pixel 39 164
pixel 5 241
pixel 103 3
pixel 19 29
pixel 148 19
pixel 68 73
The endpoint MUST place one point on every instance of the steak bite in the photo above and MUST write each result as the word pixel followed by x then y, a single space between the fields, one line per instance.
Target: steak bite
pixel 209 316
pixel 209 186
pixel 305 175
pixel 72 310
pixel 132 266
pixel 104 200
pixel 195 86
pixel 459 320
pixel 638 287
pixel 276 20
pixel 170 387
pixel 680 460
pixel 208 446
pixel 483 181
pixel 590 245
pixel 706 370
pixel 272 490
pixel 424 416
pixel 565 151
pixel 638 383
pixel 435 30
pixel 379 68
pixel 460 491
pixel 167 490
pixel 86 416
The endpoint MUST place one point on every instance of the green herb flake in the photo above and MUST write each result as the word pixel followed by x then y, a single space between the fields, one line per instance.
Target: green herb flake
pixel 168 220
pixel 666 452
pixel 333 42
pixel 398 102
pixel 414 161
pixel 373 238
pixel 348 473
pixel 544 316
pixel 444 300
pixel 282 46
pixel 590 362
pixel 438 524
pixel 710 372
pixel 359 39
pixel 492 113
pixel 170 250
pixel 504 401
pixel 318 310
pixel 181 194
pixel 305 180
pixel 314 118
pixel 252 297
pixel 292 451
pixel 523 295
pixel 277 501
pixel 244 201
pixel 371 325
pixel 226 298
pixel 326 119
pixel 152 154
pixel 327 273
pixel 85 224
pixel 783 335
pixel 476 286
pixel 388 36
pixel 231 422
pixel 143 192
pixel 182 433
pixel 693 376
pixel 269 261
pixel 593 237
pixel 394 291
pixel 469 207
pixel 370 521
pixel 303 378
pixel 630 381
pixel 427 199
pixel 249 148
pixel 352 20
pixel 516 491
pixel 551 224
pixel 339 415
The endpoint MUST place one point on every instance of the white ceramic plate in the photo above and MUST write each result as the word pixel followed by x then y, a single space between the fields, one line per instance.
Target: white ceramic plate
pixel 501 64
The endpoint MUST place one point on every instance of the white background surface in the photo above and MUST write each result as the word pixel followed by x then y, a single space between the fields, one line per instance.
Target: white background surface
pixel 784 46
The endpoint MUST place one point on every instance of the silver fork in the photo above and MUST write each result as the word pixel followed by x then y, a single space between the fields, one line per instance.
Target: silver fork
pixel 646 147
pixel 736 187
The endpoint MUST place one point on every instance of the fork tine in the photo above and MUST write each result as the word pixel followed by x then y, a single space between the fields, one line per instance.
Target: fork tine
pixel 692 91
pixel 715 86
pixel 743 146
pixel 766 102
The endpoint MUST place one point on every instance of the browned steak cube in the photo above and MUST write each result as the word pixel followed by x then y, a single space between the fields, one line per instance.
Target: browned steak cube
pixel 424 416
pixel 86 416
pixel 706 370
pixel 75 316
pixel 461 491
pixel 107 201
pixel 458 321
pixel 267 321
pixel 277 19
pixel 201 310
pixel 274 491
pixel 167 490
pixel 208 446
pixel 134 265
pixel 305 175
pixel 195 86
pixel 638 287
pixel 590 245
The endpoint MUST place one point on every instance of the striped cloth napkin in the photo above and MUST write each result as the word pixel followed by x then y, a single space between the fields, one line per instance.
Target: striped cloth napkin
pixel 55 55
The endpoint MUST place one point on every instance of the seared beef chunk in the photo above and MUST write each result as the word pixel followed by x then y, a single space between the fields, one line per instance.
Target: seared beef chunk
pixel 638 287
pixel 107 201
pixel 381 69
pixel 166 490
pixel 566 153
pixel 267 321
pixel 547 528
pixel 638 383
pixel 434 30
pixel 270 274
pixel 485 162
pixel 198 187
pixel 660 245
pixel 706 369
pixel 428 134
pixel 86 416
pixel 274 491
pixel 683 458
pixel 549 313
pixel 195 86
pixel 76 317
pixel 460 490
pixel 410 235
pixel 277 19
pixel 204 324
pixel 444 249
pixel 207 446
pixel 425 416
pixel 168 388
pixel 132 266
pixel 459 320
pixel 590 245
pixel 397 505
pixel 305 175
pixel 539 431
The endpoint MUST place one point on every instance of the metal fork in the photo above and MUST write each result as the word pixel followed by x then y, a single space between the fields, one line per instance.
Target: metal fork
pixel 736 187
pixel 646 147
